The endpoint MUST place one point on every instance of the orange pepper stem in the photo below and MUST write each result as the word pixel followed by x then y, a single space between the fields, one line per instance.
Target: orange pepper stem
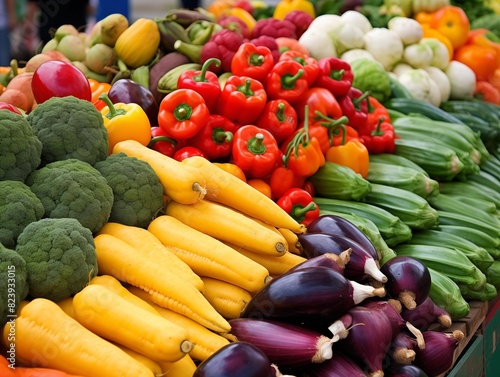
pixel 113 112
pixel 301 137
pixel 333 125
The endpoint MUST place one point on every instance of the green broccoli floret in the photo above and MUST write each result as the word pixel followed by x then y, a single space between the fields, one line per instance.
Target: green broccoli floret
pixel 19 206
pixel 20 148
pixel 73 188
pixel 60 257
pixel 69 127
pixel 138 192
pixel 13 282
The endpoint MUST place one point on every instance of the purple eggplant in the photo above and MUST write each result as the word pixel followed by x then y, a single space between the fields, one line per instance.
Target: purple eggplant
pixel 340 365
pixel 425 314
pixel 402 370
pixel 337 225
pixel 409 280
pixel 283 343
pixel 397 322
pixel 361 264
pixel 308 294
pixel 129 91
pixel 240 359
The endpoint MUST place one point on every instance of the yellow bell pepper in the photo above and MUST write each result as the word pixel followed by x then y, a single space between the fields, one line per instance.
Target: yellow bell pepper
pixel 243 15
pixel 286 6
pixel 352 154
pixel 125 121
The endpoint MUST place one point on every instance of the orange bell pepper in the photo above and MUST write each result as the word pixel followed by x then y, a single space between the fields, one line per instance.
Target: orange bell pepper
pixel 218 7
pixel 452 22
pixel 495 79
pixel 97 88
pixel 481 59
pixel 352 154
pixel 487 92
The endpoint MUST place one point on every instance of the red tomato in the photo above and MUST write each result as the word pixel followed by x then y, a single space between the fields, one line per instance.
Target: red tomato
pixel 186 152
pixel 59 79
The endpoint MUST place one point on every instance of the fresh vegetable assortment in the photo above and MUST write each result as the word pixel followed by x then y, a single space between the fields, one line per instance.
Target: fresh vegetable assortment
pixel 204 163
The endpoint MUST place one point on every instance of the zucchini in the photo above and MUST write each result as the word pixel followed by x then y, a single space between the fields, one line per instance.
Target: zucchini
pixel 392 229
pixel 491 166
pixel 408 106
pixel 446 294
pixel 396 160
pixel 413 210
pixel 337 181
pixel 472 190
pixel 402 177
pixel 477 255
pixel 440 162
pixel 485 180
pixel 453 218
pixel 486 293
pixel 493 274
pixel 475 108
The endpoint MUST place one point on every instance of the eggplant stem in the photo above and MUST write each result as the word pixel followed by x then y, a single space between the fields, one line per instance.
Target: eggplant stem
pixel 338 329
pixel 371 268
pixel 396 304
pixel 324 349
pixel 404 356
pixel 407 298
pixel 417 334
pixel 444 320
pixel 361 292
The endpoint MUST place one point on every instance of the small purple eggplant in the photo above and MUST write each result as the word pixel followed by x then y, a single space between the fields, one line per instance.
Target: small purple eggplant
pixel 425 314
pixel 340 365
pixel 402 370
pixel 330 260
pixel 361 264
pixel 337 225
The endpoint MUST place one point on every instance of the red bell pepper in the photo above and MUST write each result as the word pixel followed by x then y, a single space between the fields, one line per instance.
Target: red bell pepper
pixel 255 151
pixel 204 82
pixel 188 151
pixel 183 113
pixel 303 154
pixel 280 118
pixel 287 80
pixel 354 106
pixel 282 179
pixel 215 139
pixel 381 138
pixel 10 107
pixel 318 99
pixel 299 204
pixel 162 143
pixel 376 111
pixel 242 100
pixel 252 61
pixel 335 75
pixel 309 64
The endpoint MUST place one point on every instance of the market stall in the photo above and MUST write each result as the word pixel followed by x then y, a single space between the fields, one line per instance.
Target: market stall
pixel 296 189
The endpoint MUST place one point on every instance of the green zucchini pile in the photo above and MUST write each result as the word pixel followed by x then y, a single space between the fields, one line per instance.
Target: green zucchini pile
pixel 437 198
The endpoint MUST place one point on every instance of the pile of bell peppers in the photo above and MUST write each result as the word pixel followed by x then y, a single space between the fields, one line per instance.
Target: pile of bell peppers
pixel 275 121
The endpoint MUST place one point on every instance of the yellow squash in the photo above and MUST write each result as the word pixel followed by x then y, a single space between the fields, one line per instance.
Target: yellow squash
pixel 139 43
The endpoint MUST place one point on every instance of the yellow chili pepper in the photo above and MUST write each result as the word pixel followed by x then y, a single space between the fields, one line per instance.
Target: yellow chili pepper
pixel 352 154
pixel 286 6
pixel 125 121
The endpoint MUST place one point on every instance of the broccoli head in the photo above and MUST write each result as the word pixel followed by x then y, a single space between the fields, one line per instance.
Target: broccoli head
pixel 73 188
pixel 138 193
pixel 69 127
pixel 19 206
pixel 20 148
pixel 14 282
pixel 60 257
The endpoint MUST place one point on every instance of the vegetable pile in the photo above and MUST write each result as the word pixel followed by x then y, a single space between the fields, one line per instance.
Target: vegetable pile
pixel 250 190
